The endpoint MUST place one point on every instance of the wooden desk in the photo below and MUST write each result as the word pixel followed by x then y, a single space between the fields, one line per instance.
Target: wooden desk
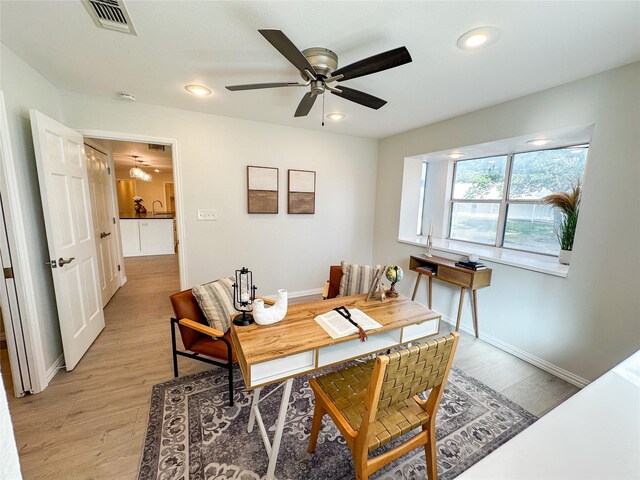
pixel 298 345
pixel 446 270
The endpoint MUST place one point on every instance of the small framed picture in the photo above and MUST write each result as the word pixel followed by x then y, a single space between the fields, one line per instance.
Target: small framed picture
pixel 262 189
pixel 302 192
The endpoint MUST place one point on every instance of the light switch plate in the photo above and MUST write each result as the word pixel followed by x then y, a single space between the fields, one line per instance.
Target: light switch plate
pixel 208 215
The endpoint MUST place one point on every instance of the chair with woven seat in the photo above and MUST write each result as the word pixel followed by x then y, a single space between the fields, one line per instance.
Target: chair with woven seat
pixel 373 403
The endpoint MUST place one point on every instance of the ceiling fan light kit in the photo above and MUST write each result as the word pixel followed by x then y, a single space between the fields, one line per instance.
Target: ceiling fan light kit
pixel 318 68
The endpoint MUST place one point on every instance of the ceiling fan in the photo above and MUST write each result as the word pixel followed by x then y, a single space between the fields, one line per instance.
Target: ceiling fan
pixel 318 68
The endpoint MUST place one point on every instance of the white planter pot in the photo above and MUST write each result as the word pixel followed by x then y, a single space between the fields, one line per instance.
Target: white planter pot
pixel 564 257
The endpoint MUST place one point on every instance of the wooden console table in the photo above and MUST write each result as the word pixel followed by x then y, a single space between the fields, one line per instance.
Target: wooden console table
pixel 446 270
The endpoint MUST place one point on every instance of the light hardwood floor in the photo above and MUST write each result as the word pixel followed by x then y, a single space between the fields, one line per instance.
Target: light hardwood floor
pixel 90 423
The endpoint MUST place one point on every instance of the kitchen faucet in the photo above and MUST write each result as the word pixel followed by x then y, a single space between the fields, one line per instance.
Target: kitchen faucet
pixel 153 206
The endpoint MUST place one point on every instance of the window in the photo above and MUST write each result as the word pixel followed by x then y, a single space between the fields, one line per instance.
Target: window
pixel 423 187
pixel 497 200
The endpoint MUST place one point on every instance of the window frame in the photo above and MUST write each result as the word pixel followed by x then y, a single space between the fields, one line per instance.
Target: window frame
pixel 504 201
pixel 422 201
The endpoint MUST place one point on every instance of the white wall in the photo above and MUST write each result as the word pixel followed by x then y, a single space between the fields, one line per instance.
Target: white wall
pixel 585 323
pixel 24 89
pixel 283 251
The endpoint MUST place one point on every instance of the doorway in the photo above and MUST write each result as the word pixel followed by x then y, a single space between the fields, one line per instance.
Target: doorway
pixel 143 175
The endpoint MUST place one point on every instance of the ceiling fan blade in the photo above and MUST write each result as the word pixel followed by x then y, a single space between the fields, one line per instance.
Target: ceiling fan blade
pixel 286 47
pixel 360 97
pixel 304 107
pixel 377 63
pixel 255 86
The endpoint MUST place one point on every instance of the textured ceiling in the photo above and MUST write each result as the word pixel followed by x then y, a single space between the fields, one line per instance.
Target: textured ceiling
pixel 541 44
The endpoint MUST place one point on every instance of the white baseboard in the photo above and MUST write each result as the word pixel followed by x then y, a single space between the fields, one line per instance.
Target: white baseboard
pixel 53 369
pixel 299 293
pixel 527 357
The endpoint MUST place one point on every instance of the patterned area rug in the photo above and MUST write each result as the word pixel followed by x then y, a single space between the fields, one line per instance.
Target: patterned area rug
pixel 193 434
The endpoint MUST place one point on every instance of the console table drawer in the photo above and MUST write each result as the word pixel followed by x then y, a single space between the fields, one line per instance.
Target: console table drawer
pixel 454 276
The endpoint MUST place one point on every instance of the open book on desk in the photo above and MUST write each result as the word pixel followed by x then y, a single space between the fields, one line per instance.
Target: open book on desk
pixel 337 326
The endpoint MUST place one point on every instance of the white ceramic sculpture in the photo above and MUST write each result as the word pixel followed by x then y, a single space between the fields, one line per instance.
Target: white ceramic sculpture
pixel 267 316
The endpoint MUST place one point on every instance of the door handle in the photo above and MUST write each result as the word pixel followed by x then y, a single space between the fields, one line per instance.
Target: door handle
pixel 104 235
pixel 62 261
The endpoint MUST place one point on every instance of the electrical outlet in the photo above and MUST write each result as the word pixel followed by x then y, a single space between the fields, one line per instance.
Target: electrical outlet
pixel 208 215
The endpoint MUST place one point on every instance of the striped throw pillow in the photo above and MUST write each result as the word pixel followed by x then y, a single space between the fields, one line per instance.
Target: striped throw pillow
pixel 216 302
pixel 356 279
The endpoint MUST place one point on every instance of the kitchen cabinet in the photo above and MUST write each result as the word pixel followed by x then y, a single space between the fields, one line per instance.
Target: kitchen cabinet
pixel 147 236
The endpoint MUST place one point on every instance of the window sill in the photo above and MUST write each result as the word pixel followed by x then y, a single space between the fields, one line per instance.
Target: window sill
pixel 525 260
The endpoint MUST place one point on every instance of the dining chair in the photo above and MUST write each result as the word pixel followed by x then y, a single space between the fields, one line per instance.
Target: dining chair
pixel 376 402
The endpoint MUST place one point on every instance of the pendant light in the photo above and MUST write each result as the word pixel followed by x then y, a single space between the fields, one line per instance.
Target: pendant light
pixel 137 173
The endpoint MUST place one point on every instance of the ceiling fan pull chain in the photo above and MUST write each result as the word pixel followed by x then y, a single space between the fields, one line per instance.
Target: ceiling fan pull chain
pixel 323 110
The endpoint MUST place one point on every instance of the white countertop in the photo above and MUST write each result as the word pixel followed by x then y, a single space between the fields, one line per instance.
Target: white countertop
pixel 593 435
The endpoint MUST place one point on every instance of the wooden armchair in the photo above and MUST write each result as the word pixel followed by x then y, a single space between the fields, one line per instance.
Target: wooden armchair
pixel 376 402
pixel 199 338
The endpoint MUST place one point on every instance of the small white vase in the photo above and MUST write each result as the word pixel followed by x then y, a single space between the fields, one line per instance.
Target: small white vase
pixel 268 316
pixel 564 257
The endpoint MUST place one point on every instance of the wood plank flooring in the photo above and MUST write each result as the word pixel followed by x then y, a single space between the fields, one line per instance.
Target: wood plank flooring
pixel 90 423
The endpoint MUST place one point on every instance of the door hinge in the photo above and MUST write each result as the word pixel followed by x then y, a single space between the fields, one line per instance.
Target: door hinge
pixel 109 170
pixel 114 220
pixel 118 267
pixel 8 272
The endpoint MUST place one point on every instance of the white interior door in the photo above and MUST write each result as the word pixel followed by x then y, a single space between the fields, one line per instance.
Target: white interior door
pixel 103 221
pixel 18 357
pixel 66 204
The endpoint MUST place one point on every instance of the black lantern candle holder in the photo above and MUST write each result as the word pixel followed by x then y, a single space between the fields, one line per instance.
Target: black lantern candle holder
pixel 244 293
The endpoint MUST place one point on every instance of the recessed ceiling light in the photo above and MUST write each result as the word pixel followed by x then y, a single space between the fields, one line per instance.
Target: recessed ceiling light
pixel 456 155
pixel 538 142
pixel 157 171
pixel 199 90
pixel 336 116
pixel 478 37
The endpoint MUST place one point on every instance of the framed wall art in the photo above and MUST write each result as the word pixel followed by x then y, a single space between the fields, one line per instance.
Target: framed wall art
pixel 262 189
pixel 302 191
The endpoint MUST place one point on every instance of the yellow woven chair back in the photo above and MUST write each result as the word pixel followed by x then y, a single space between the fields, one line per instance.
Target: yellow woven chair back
pixel 413 370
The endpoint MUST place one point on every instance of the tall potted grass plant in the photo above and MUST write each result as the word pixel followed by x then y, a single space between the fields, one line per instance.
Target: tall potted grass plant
pixel 568 204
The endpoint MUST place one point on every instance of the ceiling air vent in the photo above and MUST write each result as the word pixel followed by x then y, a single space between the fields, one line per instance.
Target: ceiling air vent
pixel 156 147
pixel 110 14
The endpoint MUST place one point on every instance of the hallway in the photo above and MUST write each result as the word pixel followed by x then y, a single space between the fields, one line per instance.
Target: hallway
pixel 89 423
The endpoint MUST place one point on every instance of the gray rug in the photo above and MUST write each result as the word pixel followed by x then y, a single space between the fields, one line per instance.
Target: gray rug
pixel 193 434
